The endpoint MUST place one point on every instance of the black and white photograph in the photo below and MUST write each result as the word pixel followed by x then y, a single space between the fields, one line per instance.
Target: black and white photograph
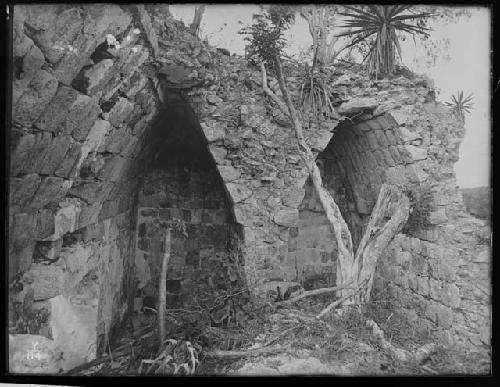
pixel 248 190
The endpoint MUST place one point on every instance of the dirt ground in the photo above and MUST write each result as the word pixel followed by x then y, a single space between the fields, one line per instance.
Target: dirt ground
pixel 283 341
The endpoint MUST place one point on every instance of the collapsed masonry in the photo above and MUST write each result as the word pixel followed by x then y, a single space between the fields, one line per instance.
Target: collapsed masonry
pixel 99 167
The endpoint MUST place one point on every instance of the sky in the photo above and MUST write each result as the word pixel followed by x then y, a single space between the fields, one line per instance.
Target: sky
pixel 464 66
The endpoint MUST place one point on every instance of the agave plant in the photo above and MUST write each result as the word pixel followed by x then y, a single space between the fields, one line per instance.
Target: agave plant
pixel 460 105
pixel 385 22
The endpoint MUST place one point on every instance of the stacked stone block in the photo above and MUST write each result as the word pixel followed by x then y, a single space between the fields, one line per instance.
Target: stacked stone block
pixel 195 198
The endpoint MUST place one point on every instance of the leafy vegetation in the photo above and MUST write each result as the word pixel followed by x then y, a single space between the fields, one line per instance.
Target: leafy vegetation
pixel 386 23
pixel 265 35
pixel 460 104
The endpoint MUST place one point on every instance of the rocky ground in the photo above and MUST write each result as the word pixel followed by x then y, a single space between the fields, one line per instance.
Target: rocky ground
pixel 283 341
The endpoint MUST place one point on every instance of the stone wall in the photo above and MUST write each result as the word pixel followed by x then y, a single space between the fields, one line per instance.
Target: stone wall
pixel 312 248
pixel 76 123
pixel 83 137
pixel 197 199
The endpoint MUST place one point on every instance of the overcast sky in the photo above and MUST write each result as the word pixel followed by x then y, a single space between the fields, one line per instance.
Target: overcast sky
pixel 467 67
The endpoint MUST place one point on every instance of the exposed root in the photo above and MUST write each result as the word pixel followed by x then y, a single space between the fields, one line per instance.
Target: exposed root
pixel 419 356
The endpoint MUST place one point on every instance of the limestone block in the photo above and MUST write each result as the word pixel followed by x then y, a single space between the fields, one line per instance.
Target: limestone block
pixel 54 35
pixel 113 169
pixel 54 155
pixel 423 286
pixel 34 100
pixel 33 354
pixel 65 219
pixel 406 135
pixel 372 140
pixel 73 323
pixel 287 217
pixel 44 223
pixel 213 99
pixel 444 316
pixel 238 192
pixel 51 190
pixel 92 192
pixel 69 166
pixel 29 153
pixel 415 173
pixel 31 62
pixel 402 116
pixel 483 256
pixel 395 175
pixel 22 189
pixel 213 132
pixel 438 217
pixel 99 20
pixel 120 112
pixel 411 153
pixel 69 112
pixel 218 153
pixel 228 173
pixel 321 140
pixel 357 105
pixel 293 198
pixel 451 295
pixel 435 289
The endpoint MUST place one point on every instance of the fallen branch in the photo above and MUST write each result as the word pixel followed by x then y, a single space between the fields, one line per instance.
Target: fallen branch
pixel 311 293
pixel 341 300
pixel 400 354
pixel 269 342
pixel 249 352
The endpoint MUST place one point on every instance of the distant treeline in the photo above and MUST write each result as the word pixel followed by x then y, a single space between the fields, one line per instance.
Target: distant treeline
pixel 477 201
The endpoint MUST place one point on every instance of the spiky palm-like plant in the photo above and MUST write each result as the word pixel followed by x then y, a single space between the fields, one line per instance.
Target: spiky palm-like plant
pixel 460 105
pixel 385 22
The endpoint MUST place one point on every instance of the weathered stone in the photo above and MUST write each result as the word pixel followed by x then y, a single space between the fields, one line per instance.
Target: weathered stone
pixel 438 217
pixel 51 190
pixel 35 99
pixel 99 20
pixel 22 189
pixel 287 217
pixel 411 153
pixel 65 219
pixel 218 153
pixel 407 135
pixel 357 105
pixel 33 354
pixel 92 192
pixel 213 133
pixel 228 173
pixel 54 37
pixel 293 198
pixel 69 111
pixel 48 250
pixel 213 99
pixel 69 166
pixel 238 192
pixel 114 167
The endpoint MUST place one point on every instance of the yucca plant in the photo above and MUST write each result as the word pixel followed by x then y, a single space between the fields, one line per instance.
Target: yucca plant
pixel 385 22
pixel 315 94
pixel 460 105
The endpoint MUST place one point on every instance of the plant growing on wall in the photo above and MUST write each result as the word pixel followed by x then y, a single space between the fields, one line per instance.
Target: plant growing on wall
pixel 460 105
pixel 381 25
pixel 356 269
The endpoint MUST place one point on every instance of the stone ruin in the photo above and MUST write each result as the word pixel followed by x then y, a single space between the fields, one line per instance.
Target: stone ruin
pixel 99 166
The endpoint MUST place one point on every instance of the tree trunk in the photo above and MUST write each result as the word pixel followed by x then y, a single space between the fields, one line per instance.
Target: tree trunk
pixel 358 268
pixel 162 291
pixel 198 16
